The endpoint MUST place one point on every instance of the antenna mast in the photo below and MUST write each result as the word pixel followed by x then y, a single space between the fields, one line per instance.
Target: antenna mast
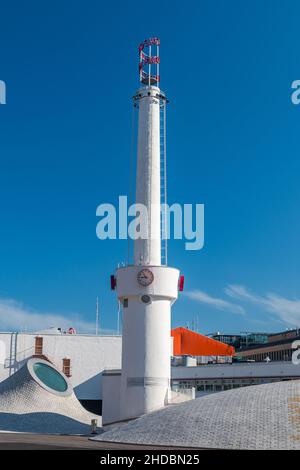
pixel 147 61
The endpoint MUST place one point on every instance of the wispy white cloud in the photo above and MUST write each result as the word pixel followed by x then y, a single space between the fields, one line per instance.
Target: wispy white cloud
pixel 239 292
pixel 286 310
pixel 215 302
pixel 14 316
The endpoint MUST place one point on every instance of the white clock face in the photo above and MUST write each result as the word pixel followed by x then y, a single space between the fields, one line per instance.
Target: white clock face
pixel 145 277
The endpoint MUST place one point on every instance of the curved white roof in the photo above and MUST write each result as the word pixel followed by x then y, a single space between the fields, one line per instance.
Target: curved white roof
pixel 39 398
pixel 255 417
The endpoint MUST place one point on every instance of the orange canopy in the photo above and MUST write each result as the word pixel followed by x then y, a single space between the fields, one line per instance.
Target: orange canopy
pixel 190 343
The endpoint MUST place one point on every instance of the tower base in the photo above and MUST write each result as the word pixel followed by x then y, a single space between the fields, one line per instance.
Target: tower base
pixel 146 343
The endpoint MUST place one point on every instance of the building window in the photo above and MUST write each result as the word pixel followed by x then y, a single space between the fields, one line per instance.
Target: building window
pixel 38 346
pixel 227 386
pixel 67 366
pixel 50 377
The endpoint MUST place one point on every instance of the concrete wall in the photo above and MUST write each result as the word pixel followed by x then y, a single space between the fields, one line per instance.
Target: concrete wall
pixel 111 393
pixel 271 369
pixel 89 355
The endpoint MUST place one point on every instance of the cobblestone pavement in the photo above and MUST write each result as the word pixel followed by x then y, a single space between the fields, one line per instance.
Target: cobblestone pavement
pixel 255 417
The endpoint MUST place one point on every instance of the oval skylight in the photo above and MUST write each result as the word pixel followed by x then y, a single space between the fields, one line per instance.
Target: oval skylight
pixel 50 377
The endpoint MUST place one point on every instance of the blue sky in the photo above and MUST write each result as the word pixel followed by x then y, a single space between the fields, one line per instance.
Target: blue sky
pixel 233 144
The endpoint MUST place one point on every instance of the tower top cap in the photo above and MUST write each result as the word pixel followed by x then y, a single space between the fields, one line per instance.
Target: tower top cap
pixel 149 61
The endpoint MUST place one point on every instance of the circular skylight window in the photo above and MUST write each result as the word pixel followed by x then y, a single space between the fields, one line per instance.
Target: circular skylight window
pixel 50 377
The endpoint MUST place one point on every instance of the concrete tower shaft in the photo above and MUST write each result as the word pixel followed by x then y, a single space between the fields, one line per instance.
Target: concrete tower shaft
pixel 147 251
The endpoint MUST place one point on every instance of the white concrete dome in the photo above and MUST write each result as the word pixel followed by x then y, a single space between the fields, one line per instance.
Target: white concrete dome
pixel 39 398
pixel 254 417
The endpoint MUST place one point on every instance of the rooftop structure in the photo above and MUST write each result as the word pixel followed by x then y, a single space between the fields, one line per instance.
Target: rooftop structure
pixel 259 417
pixel 279 347
pixel 85 369
pixel 191 343
pixel 39 398
pixel 242 340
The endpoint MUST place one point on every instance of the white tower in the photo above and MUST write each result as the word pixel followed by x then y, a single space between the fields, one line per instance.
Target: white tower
pixel 147 289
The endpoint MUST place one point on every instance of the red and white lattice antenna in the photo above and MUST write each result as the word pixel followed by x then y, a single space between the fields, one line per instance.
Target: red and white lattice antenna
pixel 149 61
